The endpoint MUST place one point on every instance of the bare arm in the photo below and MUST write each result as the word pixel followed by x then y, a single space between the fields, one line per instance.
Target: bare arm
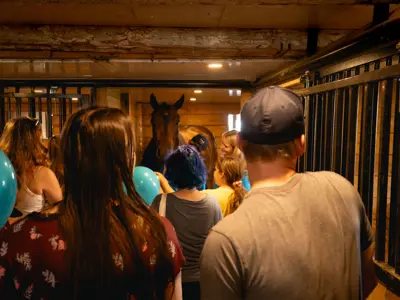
pixel 369 280
pixel 178 288
pixel 49 185
pixel 166 188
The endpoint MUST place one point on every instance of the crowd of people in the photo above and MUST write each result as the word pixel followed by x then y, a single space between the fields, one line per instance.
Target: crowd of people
pixel 80 230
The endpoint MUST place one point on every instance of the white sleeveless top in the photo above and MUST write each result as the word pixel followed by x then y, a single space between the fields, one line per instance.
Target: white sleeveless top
pixel 28 201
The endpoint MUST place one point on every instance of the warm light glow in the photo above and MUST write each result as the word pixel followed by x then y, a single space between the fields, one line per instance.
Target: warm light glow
pixel 238 93
pixel 230 92
pixel 198 91
pixel 75 99
pixel 234 122
pixel 39 91
pixel 290 83
pixel 215 66
pixel 193 99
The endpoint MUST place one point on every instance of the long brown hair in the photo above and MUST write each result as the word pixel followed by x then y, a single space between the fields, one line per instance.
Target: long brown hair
pixel 99 220
pixel 21 141
pixel 233 168
pixel 55 158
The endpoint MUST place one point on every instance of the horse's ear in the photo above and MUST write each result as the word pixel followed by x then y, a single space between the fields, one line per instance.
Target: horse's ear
pixel 153 102
pixel 178 104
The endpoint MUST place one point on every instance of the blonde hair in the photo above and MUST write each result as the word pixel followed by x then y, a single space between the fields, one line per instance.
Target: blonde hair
pixel 233 168
pixel 268 153
pixel 230 137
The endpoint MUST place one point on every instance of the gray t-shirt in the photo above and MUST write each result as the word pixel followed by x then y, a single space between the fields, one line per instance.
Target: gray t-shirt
pixel 193 221
pixel 301 240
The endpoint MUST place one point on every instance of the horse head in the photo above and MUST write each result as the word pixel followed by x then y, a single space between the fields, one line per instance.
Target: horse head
pixel 165 123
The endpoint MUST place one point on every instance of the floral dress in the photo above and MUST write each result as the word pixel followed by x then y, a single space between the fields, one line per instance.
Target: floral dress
pixel 32 264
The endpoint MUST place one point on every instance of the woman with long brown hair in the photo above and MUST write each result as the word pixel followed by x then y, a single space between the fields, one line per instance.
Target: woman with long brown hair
pixel 55 158
pixel 21 141
pixel 100 242
pixel 228 176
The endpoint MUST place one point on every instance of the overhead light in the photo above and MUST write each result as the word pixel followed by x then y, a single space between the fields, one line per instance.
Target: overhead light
pixel 38 91
pixel 198 91
pixel 230 92
pixel 238 93
pixel 75 99
pixel 215 66
pixel 193 99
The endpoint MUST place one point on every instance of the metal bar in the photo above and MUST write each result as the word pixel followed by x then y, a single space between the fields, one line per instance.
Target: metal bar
pixel 49 117
pixel 70 106
pixel 40 110
pixel 337 131
pixel 317 133
pixel 63 109
pixel 386 88
pixel 32 107
pixel 345 126
pixel 394 225
pixel 381 74
pixel 329 129
pixel 93 96
pixel 9 108
pixel 367 155
pixel 124 102
pixel 351 133
pixel 18 103
pixel 310 133
pixel 301 161
pixel 322 138
pixel 79 91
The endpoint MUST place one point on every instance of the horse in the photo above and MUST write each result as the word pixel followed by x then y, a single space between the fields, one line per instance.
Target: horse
pixel 168 134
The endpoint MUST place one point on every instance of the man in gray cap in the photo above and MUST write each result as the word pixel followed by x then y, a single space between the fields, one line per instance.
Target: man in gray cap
pixel 296 236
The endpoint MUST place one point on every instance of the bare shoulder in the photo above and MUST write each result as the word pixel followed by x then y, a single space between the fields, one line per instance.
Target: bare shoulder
pixel 43 172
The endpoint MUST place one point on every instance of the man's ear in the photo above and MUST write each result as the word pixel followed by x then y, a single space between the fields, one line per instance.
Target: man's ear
pixel 300 145
pixel 239 142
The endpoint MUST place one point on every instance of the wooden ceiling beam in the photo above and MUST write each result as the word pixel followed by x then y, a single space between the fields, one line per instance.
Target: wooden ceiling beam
pixel 124 42
pixel 211 2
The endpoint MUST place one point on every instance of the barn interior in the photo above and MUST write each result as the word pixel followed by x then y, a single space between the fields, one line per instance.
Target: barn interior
pixel 57 56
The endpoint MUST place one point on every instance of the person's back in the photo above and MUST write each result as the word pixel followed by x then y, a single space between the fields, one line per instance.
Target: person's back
pixel 312 251
pixel 192 221
pixel 191 212
pixel 296 236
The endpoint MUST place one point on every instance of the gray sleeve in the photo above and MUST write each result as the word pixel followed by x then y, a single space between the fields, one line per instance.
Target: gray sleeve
pixel 156 203
pixel 220 269
pixel 218 214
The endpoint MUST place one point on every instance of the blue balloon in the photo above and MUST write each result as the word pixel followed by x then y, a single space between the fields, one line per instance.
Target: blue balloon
pixel 146 183
pixel 8 188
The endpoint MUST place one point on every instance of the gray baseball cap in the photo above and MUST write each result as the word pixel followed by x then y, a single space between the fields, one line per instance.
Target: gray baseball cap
pixel 272 116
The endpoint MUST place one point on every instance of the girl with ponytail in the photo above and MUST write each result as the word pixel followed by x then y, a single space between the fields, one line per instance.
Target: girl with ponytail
pixel 228 175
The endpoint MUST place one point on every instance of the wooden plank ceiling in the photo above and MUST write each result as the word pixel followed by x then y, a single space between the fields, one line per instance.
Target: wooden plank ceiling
pixel 104 30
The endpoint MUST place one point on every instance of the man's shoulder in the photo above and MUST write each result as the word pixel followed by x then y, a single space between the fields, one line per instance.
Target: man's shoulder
pixel 235 225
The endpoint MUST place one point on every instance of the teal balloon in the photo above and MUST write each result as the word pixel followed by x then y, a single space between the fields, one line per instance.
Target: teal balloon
pixel 146 183
pixel 8 188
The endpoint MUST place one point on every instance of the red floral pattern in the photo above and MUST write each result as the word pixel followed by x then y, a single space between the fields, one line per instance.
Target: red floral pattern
pixel 32 264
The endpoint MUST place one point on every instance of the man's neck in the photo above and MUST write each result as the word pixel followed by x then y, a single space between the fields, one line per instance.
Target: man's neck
pixel 268 174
